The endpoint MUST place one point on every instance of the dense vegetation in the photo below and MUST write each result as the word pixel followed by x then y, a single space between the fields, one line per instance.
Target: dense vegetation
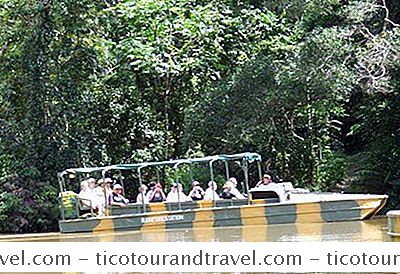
pixel 314 86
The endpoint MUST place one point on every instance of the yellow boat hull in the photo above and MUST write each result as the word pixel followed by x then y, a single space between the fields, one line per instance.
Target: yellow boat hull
pixel 305 208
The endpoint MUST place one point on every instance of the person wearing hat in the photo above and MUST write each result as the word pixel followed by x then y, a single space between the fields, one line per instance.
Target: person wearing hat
pixel 211 193
pixel 156 194
pixel 227 192
pixel 141 198
pixel 266 180
pixel 173 195
pixel 232 182
pixel 89 198
pixel 197 192
pixel 116 197
pixel 103 186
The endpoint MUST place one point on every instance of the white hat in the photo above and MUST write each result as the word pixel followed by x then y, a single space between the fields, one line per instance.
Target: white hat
pixel 229 184
pixel 117 186
pixel 84 184
pixel 233 180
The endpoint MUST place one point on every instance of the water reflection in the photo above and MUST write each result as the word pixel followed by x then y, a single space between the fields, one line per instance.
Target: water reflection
pixel 373 230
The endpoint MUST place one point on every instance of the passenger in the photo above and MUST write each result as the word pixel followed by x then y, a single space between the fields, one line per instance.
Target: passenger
pixel 91 180
pixel 210 193
pixel 92 185
pixel 152 186
pixel 174 196
pixel 141 198
pixel 233 184
pixel 116 197
pixel 157 194
pixel 234 181
pixel 265 181
pixel 197 192
pixel 99 190
pixel 89 198
pixel 227 192
pixel 84 193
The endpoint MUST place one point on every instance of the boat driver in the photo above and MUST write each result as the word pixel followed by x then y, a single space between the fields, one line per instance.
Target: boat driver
pixel 266 180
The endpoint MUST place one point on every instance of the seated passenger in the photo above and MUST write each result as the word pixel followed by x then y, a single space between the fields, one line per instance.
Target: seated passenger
pixel 91 181
pixel 157 194
pixel 103 186
pixel 265 181
pixel 176 194
pixel 91 189
pixel 234 181
pixel 233 185
pixel 210 193
pixel 227 192
pixel 141 198
pixel 89 198
pixel 151 187
pixel 197 192
pixel 116 197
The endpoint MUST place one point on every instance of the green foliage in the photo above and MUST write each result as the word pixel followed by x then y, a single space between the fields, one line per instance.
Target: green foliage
pixel 311 85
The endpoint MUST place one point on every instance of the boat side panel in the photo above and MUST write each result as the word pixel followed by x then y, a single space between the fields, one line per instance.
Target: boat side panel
pixel 82 225
pixel 105 224
pixel 186 222
pixel 254 215
pixel 333 211
pixel 282 214
pixel 204 216
pixel 227 217
pixel 127 223
pixel 309 213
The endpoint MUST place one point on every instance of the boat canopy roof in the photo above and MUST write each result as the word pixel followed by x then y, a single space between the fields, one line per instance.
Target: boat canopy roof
pixel 247 156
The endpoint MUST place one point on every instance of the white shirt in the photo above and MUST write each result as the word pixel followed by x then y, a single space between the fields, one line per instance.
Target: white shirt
pixel 237 193
pixel 139 199
pixel 172 197
pixel 209 195
pixel 99 191
pixel 89 194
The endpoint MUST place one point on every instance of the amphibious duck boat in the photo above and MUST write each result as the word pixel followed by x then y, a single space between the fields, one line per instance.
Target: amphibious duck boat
pixel 275 203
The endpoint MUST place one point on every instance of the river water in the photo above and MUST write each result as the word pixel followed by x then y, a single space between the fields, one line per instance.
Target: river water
pixel 354 231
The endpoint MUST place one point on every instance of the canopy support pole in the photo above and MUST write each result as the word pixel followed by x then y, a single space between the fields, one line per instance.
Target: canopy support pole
pixel 259 170
pixel 121 181
pixel 245 167
pixel 140 185
pixel 107 205
pixel 60 182
pixel 177 185
pixel 177 180
pixel 227 169
pixel 190 174
pixel 158 175
pixel 212 179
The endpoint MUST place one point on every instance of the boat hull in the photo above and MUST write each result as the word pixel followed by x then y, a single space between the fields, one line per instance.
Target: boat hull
pixel 312 209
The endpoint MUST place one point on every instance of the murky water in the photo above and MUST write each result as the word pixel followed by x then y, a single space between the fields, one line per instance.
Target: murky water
pixel 372 230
